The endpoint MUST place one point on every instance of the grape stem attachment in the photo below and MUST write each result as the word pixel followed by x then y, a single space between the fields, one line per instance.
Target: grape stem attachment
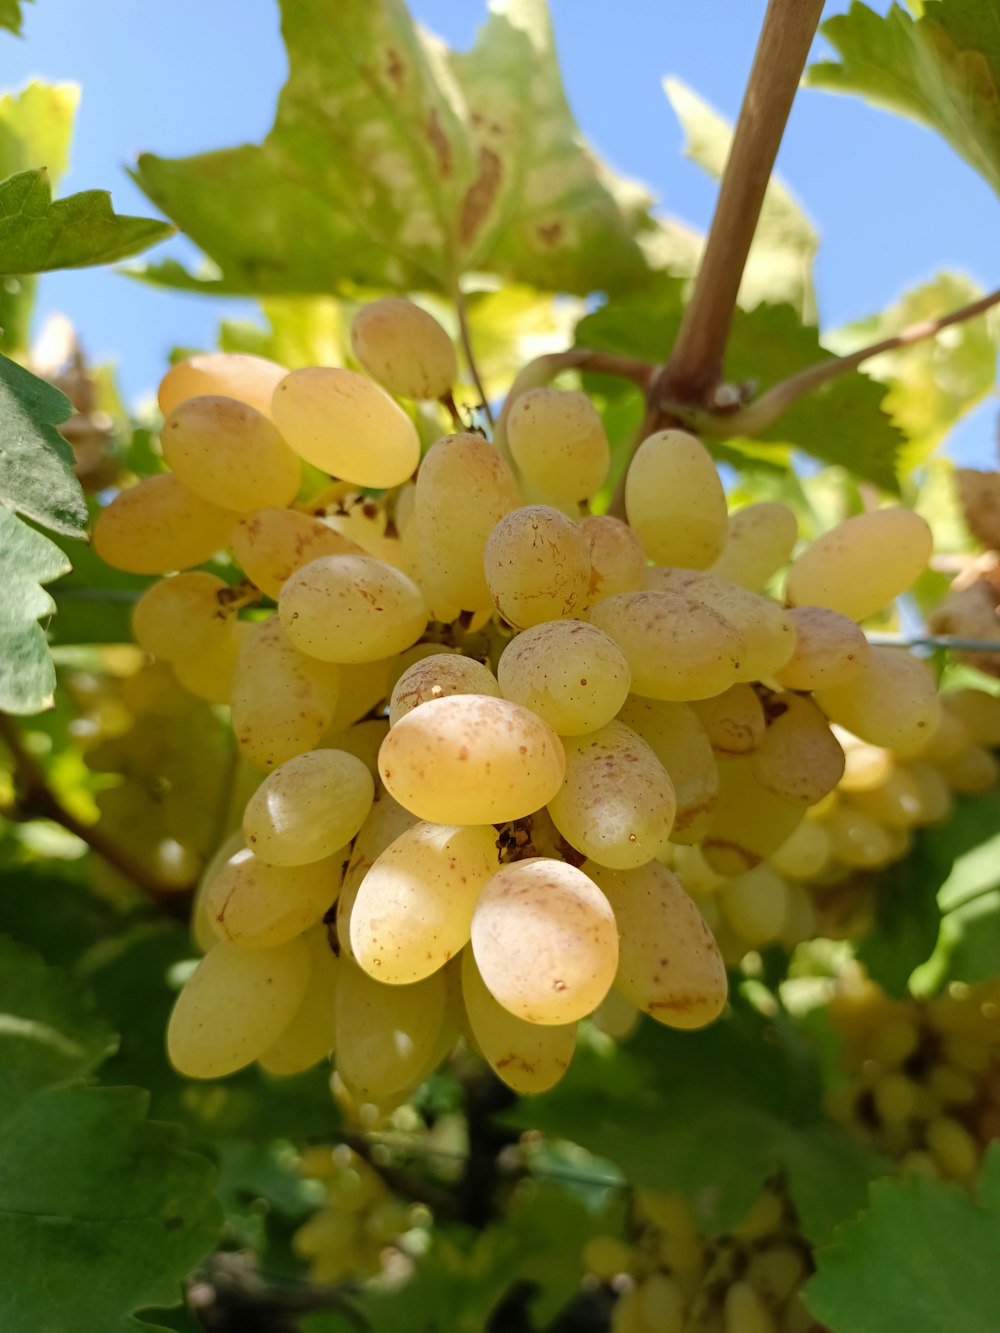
pixel 470 356
pixel 35 799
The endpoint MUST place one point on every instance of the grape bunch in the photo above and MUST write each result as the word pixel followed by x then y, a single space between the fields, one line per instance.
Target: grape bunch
pixel 921 1078
pixel 674 1278
pixel 486 721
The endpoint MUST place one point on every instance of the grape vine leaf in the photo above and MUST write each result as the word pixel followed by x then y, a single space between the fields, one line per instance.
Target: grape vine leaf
pixel 779 266
pixel 11 17
pixel 83 1172
pixel 38 234
pixel 941 68
pixel 922 1258
pixel 397 164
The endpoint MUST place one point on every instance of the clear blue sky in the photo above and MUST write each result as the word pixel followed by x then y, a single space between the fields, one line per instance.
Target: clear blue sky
pixel 893 203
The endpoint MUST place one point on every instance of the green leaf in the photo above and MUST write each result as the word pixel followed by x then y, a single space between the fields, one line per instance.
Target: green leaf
pixel 27 560
pixel 907 915
pixel 101 1211
pixel 398 165
pixel 38 235
pixel 942 69
pixel 779 266
pixel 922 1258
pixel 10 15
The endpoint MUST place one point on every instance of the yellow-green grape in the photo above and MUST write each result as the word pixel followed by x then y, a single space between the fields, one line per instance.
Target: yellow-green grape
pixel 471 759
pixel 616 804
pixel 980 712
pixel 896 802
pixel 528 1057
pixel 892 702
pixel 865 766
pixel 249 379
pixel 756 904
pixel 271 544
pixel 181 616
pixel 777 1271
pixel 627 1314
pixel 953 1147
pixel 158 525
pixel 932 791
pixel 346 425
pixel 669 964
pixel 695 873
pixel 235 1005
pixel 404 348
pixel 545 941
pixel 229 453
pixel 282 700
pixel 677 738
pixel 733 721
pixel 386 820
pixel 387 1037
pixel 463 490
pixel 537 566
pixel 607 1256
pixel 202 934
pixel 308 808
pixel 413 909
pixel 351 608
pixel 310 1035
pixel 209 674
pixel 805 853
pixel 800 918
pixel 676 647
pixel 363 687
pixel 363 740
pixel 558 442
pixel 745 1311
pixel 257 905
pixel 862 564
pixel 567 671
pixel 951 737
pixel 759 540
pixel 830 650
pixel 675 502
pixel 766 628
pixel 749 823
pixel 799 758
pixel 617 560
pixel 974 771
pixel 437 677
pixel 615 1016
pixel 857 839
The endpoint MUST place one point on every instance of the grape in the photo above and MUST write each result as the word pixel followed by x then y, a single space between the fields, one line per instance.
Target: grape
pixel 865 766
pixel 679 741
pixel 676 647
pixel 271 544
pixel 404 348
pixel 661 1297
pixel 569 672
pixel 344 424
pixel 756 904
pixel 210 673
pixel 805 853
pixel 545 941
pixel 229 453
pixel 363 740
pixel 202 934
pixel 615 1016
pixel 932 792
pixel 386 820
pixel 616 804
pixel 892 702
pixel 980 712
pixel 159 525
pixel 862 564
pixel 617 560
pixel 309 1037
pixel 759 540
pixel 413 909
pixel 471 759
pixel 181 616
pixel 895 802
pixel 308 808
pixel 436 677
pixel 830 650
pixel 606 1256
pixel 257 905
pixel 351 608
pixel 733 721
pixel 537 566
pixel 668 963
pixel 558 442
pixel 282 701
pixel 857 839
pixel 528 1057
pixel 463 490
pixel 749 821
pixel 235 1005
pixel 799 758
pixel 951 737
pixel 248 379
pixel 364 687
pixel 675 502
pixel 973 772
pixel 953 1147
pixel 387 1037
pixel 746 1312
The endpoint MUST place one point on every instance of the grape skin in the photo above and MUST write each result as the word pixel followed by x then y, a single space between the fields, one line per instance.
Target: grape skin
pixel 249 379
pixel 675 502
pixel 308 807
pixel 404 348
pixel 570 673
pixel 158 525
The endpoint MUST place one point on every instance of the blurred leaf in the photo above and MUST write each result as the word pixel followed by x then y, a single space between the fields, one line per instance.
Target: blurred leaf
pixel 38 234
pixel 10 15
pixel 933 383
pixel 942 69
pixel 779 266
pixel 300 331
pixel 395 164
pixel 95 601
pixel 922 1258
pixel 52 909
pixel 907 915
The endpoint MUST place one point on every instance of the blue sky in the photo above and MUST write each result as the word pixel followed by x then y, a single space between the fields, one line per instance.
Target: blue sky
pixel 892 202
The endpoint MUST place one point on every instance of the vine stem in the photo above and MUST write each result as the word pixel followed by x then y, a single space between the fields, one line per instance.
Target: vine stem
pixel 470 356
pixel 37 800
